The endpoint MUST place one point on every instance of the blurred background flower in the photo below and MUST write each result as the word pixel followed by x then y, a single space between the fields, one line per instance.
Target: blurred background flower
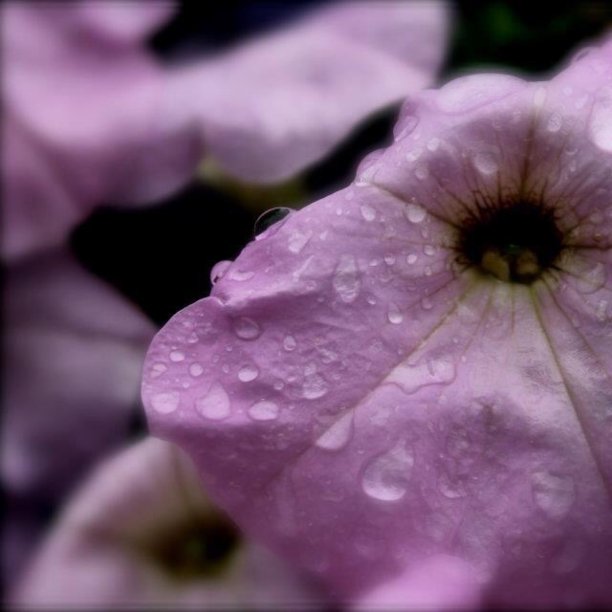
pixel 152 104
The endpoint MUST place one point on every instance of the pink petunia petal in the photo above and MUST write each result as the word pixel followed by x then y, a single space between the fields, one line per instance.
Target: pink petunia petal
pixel 106 549
pixel 73 352
pixel 271 107
pixel 365 397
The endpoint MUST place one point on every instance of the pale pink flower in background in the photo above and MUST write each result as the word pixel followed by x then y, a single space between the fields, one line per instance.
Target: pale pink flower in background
pixel 141 532
pixel 414 372
pixel 72 351
pixel 91 117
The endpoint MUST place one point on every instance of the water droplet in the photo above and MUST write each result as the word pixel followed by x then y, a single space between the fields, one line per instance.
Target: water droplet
pixel 289 343
pixel 427 304
pixel 264 411
pixel 552 493
pixel 554 123
pixel 411 259
pixel 485 162
pixel 248 373
pixel 246 328
pixel 314 387
pixel 413 376
pixel 421 172
pixel 195 369
pixel 386 477
pixel 346 280
pixel 218 271
pixel 429 250
pixel 269 218
pixel 368 213
pixel 394 314
pixel 177 356
pixel 389 260
pixel 166 402
pixel 298 240
pixel 601 120
pixel 415 213
pixel 215 404
pixel 450 488
pixel 157 369
pixel 338 434
pixel 240 275
pixel 433 144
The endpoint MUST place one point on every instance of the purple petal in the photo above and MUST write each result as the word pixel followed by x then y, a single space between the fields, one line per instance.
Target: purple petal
pixel 73 352
pixel 269 108
pixel 363 399
pixel 102 550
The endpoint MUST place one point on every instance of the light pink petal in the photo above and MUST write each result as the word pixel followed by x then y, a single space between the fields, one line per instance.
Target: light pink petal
pixel 275 105
pixel 101 553
pixel 73 351
pixel 92 106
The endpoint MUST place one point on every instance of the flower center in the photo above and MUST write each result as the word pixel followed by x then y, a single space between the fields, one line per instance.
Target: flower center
pixel 200 549
pixel 515 242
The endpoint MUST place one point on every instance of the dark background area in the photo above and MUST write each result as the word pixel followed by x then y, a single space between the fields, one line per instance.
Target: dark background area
pixel 160 257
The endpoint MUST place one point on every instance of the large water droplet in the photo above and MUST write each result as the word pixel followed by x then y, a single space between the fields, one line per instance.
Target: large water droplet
pixel 601 120
pixel 264 411
pixel 386 477
pixel 195 369
pixel 314 387
pixel 338 434
pixel 177 356
pixel 289 343
pixel 346 280
pixel 552 493
pixel 269 218
pixel 246 328
pixel 218 271
pixel 394 314
pixel 485 162
pixel 248 373
pixel 166 402
pixel 411 377
pixel 368 213
pixel 415 213
pixel 215 404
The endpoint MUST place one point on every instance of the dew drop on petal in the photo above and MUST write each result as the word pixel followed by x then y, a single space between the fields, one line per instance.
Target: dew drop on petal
pixel 421 172
pixel 368 213
pixel 314 387
pixel 165 402
pixel 433 144
pixel 298 240
pixel 601 120
pixel 338 434
pixel 218 271
pixel 485 162
pixel 240 275
pixel 411 259
pixel 289 343
pixel 264 410
pixel 269 218
pixel 215 404
pixel 157 369
pixel 177 356
pixel 248 373
pixel 195 369
pixel 346 280
pixel 386 477
pixel 394 314
pixel 552 493
pixel 427 304
pixel 554 123
pixel 415 213
pixel 246 328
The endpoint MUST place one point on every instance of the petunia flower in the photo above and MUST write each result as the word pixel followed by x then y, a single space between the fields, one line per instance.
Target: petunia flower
pixel 72 352
pixel 141 532
pixel 92 117
pixel 411 377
